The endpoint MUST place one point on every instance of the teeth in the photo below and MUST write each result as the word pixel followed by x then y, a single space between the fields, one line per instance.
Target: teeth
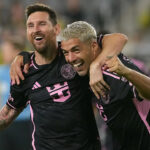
pixel 77 65
pixel 38 38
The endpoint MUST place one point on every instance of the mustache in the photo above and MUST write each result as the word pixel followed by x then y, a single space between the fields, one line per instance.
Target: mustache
pixel 38 33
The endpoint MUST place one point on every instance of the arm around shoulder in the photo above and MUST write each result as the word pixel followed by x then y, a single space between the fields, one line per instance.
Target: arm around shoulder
pixel 114 43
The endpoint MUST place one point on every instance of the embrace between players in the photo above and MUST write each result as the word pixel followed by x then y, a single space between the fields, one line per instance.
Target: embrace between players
pixel 55 83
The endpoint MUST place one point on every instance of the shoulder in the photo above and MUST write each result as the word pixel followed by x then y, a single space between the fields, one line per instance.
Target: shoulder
pixel 128 62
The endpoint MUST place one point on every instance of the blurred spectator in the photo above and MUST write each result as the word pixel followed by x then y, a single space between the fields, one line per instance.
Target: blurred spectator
pixel 141 65
pixel 144 19
pixel 73 11
pixel 12 138
pixel 17 17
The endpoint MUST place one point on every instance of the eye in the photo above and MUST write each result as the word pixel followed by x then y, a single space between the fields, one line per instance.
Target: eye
pixel 42 23
pixel 30 25
pixel 65 52
pixel 76 50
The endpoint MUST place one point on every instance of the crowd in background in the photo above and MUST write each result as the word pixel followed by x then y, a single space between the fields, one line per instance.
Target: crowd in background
pixel 131 17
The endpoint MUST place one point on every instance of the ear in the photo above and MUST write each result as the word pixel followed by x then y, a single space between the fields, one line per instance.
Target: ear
pixel 94 47
pixel 57 29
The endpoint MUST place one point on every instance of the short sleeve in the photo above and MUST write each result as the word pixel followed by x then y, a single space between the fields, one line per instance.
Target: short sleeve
pixel 17 98
pixel 127 62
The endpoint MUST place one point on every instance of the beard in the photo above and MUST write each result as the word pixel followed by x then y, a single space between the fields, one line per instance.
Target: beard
pixel 47 45
pixel 46 48
pixel 40 49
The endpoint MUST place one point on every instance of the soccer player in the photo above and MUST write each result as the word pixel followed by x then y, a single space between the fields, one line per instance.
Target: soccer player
pixel 60 100
pixel 124 107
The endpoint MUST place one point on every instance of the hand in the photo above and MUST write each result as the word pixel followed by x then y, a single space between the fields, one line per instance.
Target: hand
pixel 97 83
pixel 113 64
pixel 16 69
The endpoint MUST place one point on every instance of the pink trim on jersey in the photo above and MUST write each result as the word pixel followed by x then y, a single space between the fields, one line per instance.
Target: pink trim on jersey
pixel 143 108
pixel 11 105
pixel 134 91
pixel 112 75
pixel 32 64
pixel 130 84
pixel 28 102
pixel 32 116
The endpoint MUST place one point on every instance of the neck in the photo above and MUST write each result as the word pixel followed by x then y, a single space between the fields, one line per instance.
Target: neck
pixel 97 52
pixel 47 57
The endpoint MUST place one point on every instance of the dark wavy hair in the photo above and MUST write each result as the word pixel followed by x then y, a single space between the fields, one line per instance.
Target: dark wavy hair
pixel 41 7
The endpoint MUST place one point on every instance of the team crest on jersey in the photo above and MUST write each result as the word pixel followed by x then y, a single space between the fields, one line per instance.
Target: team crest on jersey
pixel 67 71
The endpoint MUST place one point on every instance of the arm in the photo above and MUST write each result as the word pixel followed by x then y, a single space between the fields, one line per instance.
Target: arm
pixel 112 44
pixel 139 80
pixel 7 115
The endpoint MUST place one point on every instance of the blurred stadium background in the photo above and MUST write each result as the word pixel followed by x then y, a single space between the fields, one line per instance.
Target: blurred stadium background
pixel 131 17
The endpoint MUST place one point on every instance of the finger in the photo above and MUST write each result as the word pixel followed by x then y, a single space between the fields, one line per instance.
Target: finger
pixel 95 93
pixel 12 77
pixel 110 64
pixel 101 87
pixel 99 90
pixel 26 68
pixel 104 84
pixel 12 81
pixel 112 69
pixel 17 79
pixel 105 67
pixel 19 73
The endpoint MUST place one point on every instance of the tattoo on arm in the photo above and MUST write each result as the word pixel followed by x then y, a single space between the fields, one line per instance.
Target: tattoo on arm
pixel 7 115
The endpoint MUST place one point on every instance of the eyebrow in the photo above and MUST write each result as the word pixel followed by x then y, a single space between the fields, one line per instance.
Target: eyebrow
pixel 73 48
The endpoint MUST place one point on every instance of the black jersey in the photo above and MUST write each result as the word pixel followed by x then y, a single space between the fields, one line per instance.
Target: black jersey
pixel 60 104
pixel 126 114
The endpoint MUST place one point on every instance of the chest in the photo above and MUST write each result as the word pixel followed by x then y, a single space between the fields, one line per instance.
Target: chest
pixel 44 92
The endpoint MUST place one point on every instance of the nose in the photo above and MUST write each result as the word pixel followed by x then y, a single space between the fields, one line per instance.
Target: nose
pixel 36 28
pixel 71 57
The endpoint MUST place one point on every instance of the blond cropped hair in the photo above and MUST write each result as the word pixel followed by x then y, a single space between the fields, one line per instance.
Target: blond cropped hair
pixel 79 29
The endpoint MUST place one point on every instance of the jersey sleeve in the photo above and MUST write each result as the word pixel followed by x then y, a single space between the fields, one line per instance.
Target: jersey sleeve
pixel 127 62
pixel 121 88
pixel 26 56
pixel 17 98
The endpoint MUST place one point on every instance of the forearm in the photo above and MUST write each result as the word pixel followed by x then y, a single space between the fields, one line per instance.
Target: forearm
pixel 112 44
pixel 140 81
pixel 7 115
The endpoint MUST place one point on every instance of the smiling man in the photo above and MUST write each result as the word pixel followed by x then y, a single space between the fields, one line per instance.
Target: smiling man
pixel 124 107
